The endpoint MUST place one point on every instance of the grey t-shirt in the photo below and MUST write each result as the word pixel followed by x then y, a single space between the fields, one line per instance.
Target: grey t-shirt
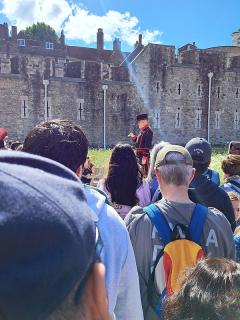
pixel 216 240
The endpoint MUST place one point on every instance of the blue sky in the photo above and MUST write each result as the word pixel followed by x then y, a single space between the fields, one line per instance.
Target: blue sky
pixel 208 23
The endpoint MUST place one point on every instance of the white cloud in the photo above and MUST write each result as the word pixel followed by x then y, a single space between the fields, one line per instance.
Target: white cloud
pixel 26 12
pixel 77 22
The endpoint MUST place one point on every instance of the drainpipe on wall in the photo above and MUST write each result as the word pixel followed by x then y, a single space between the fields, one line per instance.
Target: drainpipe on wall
pixel 105 87
pixel 210 75
pixel 45 83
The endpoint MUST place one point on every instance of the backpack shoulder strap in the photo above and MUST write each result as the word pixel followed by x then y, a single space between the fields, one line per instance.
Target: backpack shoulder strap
pixel 160 222
pixel 197 222
pixel 210 174
pixel 234 185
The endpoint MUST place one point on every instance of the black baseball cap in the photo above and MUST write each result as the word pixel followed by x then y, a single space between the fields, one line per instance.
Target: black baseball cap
pixel 142 116
pixel 234 146
pixel 200 150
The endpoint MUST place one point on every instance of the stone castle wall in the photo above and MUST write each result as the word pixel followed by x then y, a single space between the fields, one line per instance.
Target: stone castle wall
pixel 172 89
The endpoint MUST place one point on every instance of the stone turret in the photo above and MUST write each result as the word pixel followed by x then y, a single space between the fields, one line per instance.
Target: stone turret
pixel 100 39
pixel 138 43
pixel 236 38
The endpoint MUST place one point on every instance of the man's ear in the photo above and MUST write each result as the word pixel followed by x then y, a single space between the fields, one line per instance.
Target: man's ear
pixel 192 175
pixel 96 294
pixel 79 171
pixel 157 175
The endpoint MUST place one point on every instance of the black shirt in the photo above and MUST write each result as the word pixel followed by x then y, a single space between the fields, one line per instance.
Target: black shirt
pixel 207 193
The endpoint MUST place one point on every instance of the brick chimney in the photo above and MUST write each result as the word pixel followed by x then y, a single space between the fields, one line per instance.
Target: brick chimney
pixel 116 44
pixel 100 39
pixel 14 33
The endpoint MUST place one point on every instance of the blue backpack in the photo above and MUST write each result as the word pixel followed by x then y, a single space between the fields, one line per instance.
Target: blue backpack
pixel 234 185
pixel 182 249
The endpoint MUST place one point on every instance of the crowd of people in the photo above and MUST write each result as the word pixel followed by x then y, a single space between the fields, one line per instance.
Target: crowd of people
pixel 162 245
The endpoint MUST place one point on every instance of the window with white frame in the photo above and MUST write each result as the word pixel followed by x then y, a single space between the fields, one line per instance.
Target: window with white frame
pixel 21 42
pixel 80 110
pixel 49 45
pixel 198 119
pixel 236 120
pixel 178 119
pixel 24 107
pixel 218 119
pixel 157 120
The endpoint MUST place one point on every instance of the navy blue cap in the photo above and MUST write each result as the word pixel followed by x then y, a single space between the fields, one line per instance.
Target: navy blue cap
pixel 47 235
pixel 142 116
pixel 200 150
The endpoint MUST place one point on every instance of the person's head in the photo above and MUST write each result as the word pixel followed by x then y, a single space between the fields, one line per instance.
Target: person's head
pixel 59 140
pixel 235 198
pixel 123 175
pixel 174 167
pixel 142 120
pixel 211 291
pixel 234 147
pixel 201 152
pixel 15 145
pixel 3 134
pixel 157 147
pixel 231 165
pixel 3 138
pixel 47 244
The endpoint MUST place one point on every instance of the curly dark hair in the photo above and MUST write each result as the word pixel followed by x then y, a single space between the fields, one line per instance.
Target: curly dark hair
pixel 123 175
pixel 59 140
pixel 211 291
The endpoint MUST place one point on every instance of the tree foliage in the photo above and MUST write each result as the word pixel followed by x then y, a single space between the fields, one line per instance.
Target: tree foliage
pixel 41 32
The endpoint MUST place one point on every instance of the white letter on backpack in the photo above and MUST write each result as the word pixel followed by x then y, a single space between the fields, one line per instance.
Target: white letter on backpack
pixel 212 238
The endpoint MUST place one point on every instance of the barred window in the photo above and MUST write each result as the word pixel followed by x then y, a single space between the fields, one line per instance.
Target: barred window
pixel 198 119
pixel 217 119
pixel 178 119
pixel 236 120
pixel 157 120
pixel 80 110
pixel 24 107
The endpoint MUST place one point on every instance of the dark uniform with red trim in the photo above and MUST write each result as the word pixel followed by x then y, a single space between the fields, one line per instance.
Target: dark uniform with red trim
pixel 144 144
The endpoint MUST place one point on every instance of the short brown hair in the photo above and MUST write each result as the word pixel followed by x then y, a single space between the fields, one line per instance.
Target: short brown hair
pixel 59 140
pixel 231 165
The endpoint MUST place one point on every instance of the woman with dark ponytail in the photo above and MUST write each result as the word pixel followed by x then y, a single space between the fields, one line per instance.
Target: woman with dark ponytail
pixel 124 183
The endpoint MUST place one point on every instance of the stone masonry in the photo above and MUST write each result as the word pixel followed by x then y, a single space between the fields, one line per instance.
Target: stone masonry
pixel 172 89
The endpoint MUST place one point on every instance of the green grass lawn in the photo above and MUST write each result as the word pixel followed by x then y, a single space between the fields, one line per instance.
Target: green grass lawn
pixel 101 157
